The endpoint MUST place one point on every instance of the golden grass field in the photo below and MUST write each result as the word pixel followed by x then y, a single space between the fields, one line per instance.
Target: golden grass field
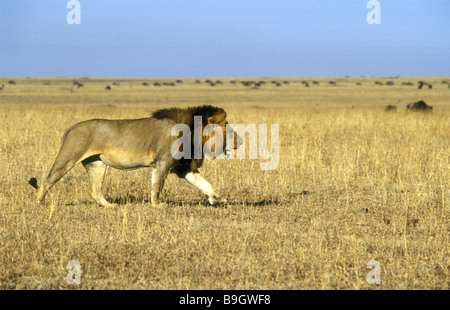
pixel 354 184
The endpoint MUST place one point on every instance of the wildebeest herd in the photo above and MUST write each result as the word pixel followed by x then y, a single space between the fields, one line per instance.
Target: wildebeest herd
pixel 413 106
pixel 419 106
pixel 249 83
pixel 278 83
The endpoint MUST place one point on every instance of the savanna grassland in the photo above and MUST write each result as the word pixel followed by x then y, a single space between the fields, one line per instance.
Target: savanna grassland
pixel 354 184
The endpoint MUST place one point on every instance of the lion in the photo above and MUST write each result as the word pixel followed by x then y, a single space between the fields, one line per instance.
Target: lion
pixel 131 144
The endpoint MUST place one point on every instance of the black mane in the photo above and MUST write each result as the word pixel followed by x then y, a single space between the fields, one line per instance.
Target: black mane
pixel 186 115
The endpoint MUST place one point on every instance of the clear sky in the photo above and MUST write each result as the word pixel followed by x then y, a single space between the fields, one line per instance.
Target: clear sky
pixel 224 38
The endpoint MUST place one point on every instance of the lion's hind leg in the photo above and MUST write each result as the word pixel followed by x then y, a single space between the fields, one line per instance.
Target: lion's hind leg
pixel 69 154
pixel 60 167
pixel 96 170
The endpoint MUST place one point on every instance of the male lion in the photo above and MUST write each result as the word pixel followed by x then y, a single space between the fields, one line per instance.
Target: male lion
pixel 131 144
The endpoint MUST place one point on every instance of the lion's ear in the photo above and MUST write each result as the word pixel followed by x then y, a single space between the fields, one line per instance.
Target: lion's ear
pixel 212 120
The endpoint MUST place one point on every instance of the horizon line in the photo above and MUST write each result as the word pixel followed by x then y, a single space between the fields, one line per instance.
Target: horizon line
pixel 223 77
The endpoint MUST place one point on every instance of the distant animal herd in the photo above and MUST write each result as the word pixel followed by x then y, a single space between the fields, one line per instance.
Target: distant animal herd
pixel 414 106
pixel 277 83
pixel 251 83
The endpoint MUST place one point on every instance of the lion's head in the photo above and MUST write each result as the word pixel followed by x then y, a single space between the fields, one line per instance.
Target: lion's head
pixel 211 119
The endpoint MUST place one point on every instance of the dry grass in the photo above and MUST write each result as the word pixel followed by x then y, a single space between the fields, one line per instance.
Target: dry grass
pixel 354 184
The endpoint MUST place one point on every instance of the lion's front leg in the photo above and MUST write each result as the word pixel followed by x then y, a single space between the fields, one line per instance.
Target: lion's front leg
pixel 196 179
pixel 159 175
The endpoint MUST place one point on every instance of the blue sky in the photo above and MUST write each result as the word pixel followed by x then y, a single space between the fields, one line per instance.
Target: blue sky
pixel 212 38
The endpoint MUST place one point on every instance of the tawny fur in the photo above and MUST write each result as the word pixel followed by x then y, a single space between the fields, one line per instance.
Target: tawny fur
pixel 132 144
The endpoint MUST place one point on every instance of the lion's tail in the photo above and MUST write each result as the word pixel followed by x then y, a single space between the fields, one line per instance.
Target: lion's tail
pixel 33 182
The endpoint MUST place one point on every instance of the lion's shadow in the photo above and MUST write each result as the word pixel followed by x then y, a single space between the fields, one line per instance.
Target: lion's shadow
pixel 123 200
pixel 131 199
